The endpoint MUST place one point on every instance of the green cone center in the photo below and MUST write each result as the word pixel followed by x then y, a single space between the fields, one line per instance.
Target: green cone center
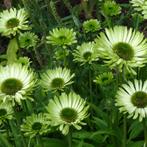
pixel 3 112
pixel 69 115
pixel 139 99
pixel 37 126
pixel 57 83
pixel 87 55
pixel 123 50
pixel 62 38
pixel 12 23
pixel 11 86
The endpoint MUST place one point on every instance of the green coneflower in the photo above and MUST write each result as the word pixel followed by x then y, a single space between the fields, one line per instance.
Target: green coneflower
pixel 111 8
pixel 104 78
pixel 62 37
pixel 56 79
pixel 6 112
pixel 137 4
pixel 122 47
pixel 131 98
pixel 86 53
pixel 16 82
pixel 12 21
pixel 91 25
pixel 67 110
pixel 28 40
pixel 24 61
pixel 36 124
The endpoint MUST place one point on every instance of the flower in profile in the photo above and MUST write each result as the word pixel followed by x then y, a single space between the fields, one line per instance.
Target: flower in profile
pixel 131 98
pixel 137 4
pixel 67 110
pixel 140 6
pixel 86 53
pixel 24 61
pixel 12 21
pixel 56 79
pixel 36 124
pixel 6 111
pixel 122 47
pixel 91 25
pixel 62 37
pixel 16 83
pixel 111 8
pixel 28 40
pixel 104 78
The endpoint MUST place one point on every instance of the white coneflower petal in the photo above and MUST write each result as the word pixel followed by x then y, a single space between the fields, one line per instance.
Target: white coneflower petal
pixel 133 102
pixel 67 115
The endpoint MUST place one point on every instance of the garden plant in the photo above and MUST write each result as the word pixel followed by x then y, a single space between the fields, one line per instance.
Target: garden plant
pixel 73 73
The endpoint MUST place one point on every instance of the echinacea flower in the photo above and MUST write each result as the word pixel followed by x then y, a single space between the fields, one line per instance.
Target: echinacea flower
pixel 91 25
pixel 86 53
pixel 122 47
pixel 131 98
pixel 16 83
pixel 28 40
pixel 67 110
pixel 137 4
pixel 62 37
pixel 13 21
pixel 104 78
pixel 56 79
pixel 36 124
pixel 140 6
pixel 6 111
pixel 111 8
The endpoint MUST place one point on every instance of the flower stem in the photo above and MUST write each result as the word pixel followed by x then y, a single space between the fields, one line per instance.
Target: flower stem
pixel 90 85
pixel 69 137
pixel 145 133
pixel 124 131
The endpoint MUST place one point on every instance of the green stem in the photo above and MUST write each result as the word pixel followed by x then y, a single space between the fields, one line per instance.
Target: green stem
pixel 69 137
pixel 90 85
pixel 145 133
pixel 124 131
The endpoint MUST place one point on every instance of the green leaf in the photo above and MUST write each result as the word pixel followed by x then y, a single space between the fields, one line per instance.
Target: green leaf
pixel 135 129
pixel 135 144
pixel 52 142
pixel 4 142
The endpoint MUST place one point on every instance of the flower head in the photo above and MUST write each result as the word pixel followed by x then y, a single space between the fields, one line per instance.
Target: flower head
pixel 137 4
pixel 28 40
pixel 86 53
pixel 91 25
pixel 16 82
pixel 12 21
pixel 104 78
pixel 111 8
pixel 56 79
pixel 6 111
pixel 67 110
pixel 122 47
pixel 62 37
pixel 132 99
pixel 35 124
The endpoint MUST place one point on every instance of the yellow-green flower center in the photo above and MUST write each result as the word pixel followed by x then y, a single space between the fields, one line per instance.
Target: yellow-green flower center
pixel 139 99
pixel 69 115
pixel 123 50
pixel 11 86
pixel 12 23
pixel 3 112
pixel 57 83
pixel 37 126
pixel 87 55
